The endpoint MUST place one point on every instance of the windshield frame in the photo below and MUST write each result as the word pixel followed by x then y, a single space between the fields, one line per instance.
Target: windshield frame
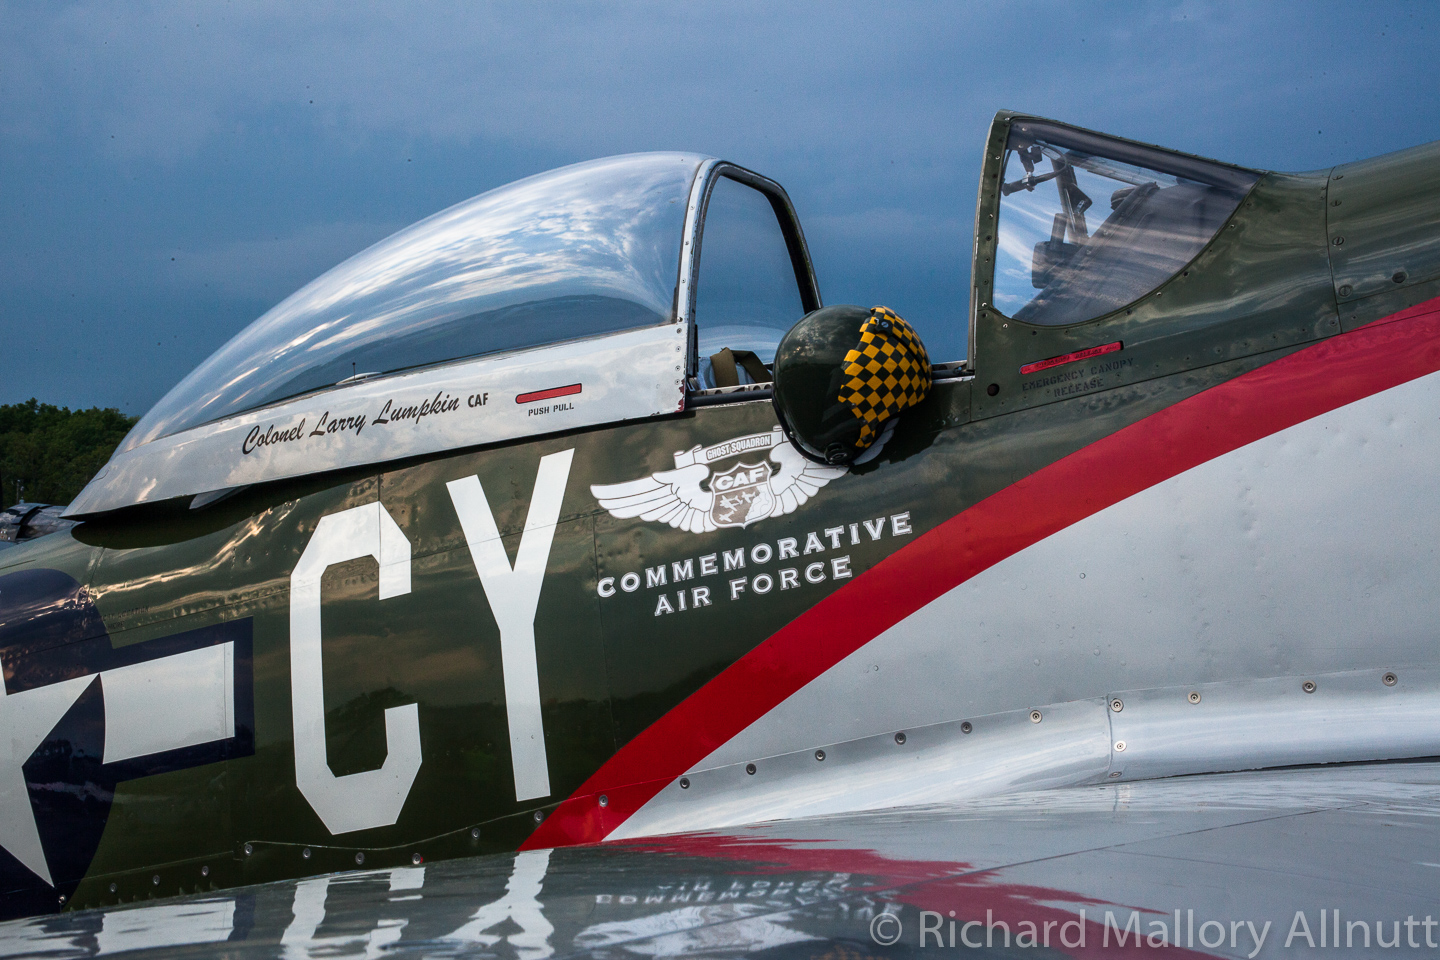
pixel 686 291
pixel 985 243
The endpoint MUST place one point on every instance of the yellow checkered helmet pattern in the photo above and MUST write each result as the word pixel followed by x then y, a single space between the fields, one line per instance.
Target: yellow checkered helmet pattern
pixel 887 372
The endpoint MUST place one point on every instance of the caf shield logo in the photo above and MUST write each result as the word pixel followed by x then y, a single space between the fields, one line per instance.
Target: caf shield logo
pixel 742 495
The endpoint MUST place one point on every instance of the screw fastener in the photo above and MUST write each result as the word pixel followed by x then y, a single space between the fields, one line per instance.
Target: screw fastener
pixel 1117 705
pixel 155 880
pixel 604 800
pixel 113 888
pixel 1114 774
pixel 819 754
pixel 416 859
pixel 1120 746
pixel 249 849
pixel 750 769
pixel 305 853
pixel 474 833
pixel 684 783
pixel 359 858
pixel 900 737
pixel 1194 696
pixel 1389 679
pixel 1036 716
pixel 966 727
pixel 539 816
pixel 1308 686
pixel 1345 290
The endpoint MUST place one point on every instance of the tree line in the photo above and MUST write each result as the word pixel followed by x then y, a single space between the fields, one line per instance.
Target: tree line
pixel 49 453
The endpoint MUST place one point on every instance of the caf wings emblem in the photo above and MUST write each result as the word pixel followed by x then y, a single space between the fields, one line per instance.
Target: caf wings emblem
pixel 770 485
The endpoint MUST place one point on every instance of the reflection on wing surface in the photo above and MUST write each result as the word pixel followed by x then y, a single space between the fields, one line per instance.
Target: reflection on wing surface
pixel 1003 868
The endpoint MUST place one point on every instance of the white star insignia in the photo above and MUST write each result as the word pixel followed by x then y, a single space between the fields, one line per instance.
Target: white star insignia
pixel 26 718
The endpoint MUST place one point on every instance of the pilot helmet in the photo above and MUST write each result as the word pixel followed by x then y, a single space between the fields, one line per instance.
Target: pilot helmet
pixel 841 373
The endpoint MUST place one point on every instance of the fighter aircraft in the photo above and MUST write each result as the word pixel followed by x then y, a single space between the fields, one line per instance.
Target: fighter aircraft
pixel 526 528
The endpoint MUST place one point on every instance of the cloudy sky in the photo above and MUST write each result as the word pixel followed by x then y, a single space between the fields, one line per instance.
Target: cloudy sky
pixel 169 172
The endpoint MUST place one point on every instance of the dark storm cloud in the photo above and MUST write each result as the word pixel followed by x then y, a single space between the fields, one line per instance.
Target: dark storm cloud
pixel 171 171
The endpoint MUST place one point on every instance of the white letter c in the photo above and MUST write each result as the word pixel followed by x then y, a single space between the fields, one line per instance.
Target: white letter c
pixel 373 798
